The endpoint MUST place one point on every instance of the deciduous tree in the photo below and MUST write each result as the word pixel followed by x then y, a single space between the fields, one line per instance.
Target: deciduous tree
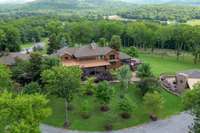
pixel 63 82
pixel 22 113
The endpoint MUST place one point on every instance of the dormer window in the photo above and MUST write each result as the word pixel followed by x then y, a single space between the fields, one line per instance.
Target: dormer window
pixel 100 57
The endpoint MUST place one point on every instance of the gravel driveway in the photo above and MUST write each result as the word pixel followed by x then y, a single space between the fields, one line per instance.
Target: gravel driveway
pixel 175 124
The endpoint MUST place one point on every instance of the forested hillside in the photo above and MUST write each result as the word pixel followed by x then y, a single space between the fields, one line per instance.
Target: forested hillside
pixel 164 1
pixel 66 8
pixel 95 9
pixel 180 13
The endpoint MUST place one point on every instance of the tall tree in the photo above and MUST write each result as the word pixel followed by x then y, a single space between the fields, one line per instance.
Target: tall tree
pixel 12 38
pixel 2 40
pixel 63 82
pixel 179 37
pixel 102 42
pixel 116 42
pixel 194 42
pixel 35 65
pixel 53 44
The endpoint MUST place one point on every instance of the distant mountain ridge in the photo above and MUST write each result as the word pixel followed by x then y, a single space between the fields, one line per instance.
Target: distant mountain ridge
pixel 164 1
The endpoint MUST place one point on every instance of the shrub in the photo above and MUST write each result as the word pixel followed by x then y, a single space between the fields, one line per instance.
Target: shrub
pixel 89 87
pixel 132 51
pixel 153 103
pixel 144 71
pixel 148 85
pixel 85 109
pixel 31 88
pixel 104 94
pixel 124 75
pixel 126 106
pixel 108 126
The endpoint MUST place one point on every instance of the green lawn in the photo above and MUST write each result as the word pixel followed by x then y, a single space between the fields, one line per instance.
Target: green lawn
pixel 98 119
pixel 193 22
pixel 168 64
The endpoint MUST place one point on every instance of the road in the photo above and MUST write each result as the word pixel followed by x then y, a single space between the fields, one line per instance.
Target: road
pixel 175 124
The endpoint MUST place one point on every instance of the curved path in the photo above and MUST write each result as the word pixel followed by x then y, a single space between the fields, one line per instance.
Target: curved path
pixel 175 124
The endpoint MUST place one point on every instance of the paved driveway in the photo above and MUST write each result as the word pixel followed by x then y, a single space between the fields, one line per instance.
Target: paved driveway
pixel 175 124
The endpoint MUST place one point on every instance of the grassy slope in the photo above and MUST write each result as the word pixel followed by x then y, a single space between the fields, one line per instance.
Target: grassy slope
pixel 98 119
pixel 168 64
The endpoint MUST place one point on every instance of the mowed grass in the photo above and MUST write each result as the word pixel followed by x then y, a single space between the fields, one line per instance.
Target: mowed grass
pixel 168 64
pixel 193 22
pixel 98 119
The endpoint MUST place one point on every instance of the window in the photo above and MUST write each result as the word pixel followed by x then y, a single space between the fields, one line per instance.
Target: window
pixel 112 57
pixel 101 57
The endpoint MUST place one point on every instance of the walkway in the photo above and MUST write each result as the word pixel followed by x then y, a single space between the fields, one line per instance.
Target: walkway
pixel 175 124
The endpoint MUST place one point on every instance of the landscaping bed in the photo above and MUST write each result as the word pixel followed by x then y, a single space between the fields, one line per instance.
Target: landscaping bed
pixel 99 121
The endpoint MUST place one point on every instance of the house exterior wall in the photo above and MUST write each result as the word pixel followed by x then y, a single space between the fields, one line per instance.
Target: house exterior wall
pixel 66 57
pixel 112 57
pixel 181 82
pixel 115 63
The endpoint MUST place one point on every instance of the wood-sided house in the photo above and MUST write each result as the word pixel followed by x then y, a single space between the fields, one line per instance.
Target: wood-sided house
pixel 93 57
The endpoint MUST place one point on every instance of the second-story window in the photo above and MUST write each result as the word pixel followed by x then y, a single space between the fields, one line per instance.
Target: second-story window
pixel 112 57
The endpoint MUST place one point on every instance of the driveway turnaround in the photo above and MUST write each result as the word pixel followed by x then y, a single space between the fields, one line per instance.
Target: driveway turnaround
pixel 175 124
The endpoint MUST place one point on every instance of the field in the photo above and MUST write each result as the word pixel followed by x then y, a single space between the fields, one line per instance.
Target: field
pixel 168 63
pixel 194 22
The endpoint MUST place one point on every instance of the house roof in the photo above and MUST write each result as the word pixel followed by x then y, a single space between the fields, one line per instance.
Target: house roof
pixel 85 51
pixel 86 63
pixel 10 59
pixel 124 56
pixel 191 73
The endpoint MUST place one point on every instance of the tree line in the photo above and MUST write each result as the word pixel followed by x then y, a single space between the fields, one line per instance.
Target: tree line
pixel 78 32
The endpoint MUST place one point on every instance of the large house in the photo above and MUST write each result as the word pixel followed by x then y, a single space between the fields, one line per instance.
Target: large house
pixel 91 56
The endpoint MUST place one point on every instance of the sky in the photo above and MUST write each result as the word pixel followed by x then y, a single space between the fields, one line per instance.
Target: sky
pixel 14 1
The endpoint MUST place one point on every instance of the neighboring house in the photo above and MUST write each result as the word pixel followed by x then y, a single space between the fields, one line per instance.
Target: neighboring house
pixel 93 57
pixel 181 81
pixel 9 59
